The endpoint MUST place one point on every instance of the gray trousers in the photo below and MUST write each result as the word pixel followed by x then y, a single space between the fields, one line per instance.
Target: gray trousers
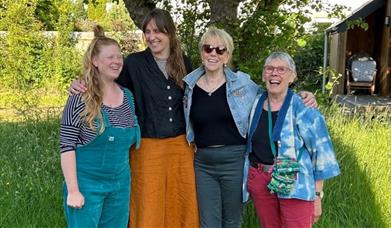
pixel 219 175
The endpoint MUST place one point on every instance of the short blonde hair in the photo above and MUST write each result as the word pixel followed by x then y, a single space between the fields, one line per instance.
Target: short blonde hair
pixel 220 34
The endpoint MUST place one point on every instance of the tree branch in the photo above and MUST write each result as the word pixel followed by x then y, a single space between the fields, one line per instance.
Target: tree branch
pixel 138 9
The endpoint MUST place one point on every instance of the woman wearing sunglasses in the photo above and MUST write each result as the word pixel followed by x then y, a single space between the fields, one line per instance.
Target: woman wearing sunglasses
pixel 217 106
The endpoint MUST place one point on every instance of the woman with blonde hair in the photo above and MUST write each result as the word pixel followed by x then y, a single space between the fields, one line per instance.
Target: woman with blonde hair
pixel 97 129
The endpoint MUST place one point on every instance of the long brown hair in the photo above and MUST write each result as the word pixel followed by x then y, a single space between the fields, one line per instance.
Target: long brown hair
pixel 93 97
pixel 175 64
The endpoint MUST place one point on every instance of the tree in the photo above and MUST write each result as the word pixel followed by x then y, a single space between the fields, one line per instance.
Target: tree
pixel 262 26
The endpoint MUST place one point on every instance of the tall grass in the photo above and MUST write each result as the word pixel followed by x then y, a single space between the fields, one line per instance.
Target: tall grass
pixel 30 175
pixel 31 180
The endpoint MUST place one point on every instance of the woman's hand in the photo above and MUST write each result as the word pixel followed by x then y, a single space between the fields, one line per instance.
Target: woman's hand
pixel 77 87
pixel 75 200
pixel 317 209
pixel 308 99
pixel 194 147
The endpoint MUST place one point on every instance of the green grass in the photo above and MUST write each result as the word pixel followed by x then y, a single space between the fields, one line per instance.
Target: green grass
pixel 31 179
pixel 30 175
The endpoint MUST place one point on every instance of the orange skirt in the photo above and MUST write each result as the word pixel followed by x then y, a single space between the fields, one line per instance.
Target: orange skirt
pixel 163 192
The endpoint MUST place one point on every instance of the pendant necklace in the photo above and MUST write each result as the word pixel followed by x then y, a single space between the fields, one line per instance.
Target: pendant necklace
pixel 210 90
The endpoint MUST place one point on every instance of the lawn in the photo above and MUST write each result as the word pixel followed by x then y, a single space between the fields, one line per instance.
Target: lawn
pixel 31 181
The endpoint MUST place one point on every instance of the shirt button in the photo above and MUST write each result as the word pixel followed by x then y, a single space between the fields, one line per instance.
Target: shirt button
pixel 168 87
pixel 169 97
pixel 170 119
pixel 169 108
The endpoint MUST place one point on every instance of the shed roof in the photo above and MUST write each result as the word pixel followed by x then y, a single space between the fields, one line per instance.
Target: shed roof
pixel 365 10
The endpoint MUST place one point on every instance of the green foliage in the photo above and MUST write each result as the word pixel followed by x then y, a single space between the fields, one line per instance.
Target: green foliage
pixel 309 59
pixel 48 13
pixel 96 10
pixel 113 18
pixel 357 23
pixel 23 47
pixel 260 28
pixel 31 58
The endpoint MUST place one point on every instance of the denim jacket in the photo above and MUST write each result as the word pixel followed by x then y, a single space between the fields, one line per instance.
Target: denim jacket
pixel 297 127
pixel 241 92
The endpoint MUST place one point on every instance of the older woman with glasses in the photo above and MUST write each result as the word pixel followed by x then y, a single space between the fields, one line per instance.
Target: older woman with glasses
pixel 289 152
pixel 217 105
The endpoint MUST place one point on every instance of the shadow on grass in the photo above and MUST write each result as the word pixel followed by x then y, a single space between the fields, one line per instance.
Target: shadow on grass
pixel 349 200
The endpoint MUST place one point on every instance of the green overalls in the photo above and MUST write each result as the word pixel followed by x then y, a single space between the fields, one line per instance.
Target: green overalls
pixel 103 176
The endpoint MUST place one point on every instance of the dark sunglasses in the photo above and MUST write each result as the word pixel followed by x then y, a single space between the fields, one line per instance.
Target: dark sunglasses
pixel 209 48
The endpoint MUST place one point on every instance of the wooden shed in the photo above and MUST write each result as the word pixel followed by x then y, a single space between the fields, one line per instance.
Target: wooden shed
pixel 344 41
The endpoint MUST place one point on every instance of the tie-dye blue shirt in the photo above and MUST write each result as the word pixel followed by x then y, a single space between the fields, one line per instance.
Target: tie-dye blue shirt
pixel 298 126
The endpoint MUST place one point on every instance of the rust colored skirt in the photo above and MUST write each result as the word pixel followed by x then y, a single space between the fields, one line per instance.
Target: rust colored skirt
pixel 163 192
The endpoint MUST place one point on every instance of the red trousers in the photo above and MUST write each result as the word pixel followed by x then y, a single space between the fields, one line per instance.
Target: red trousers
pixel 274 212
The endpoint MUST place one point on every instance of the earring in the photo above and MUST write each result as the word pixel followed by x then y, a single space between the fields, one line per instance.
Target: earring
pixel 225 65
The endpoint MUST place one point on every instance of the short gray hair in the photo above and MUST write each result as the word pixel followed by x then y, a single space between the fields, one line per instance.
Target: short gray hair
pixel 284 57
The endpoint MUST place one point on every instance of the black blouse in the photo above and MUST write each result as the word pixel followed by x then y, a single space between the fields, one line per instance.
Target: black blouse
pixel 212 119
pixel 262 153
pixel 158 100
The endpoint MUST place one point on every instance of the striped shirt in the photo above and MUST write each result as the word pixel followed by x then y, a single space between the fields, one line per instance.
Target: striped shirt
pixel 74 131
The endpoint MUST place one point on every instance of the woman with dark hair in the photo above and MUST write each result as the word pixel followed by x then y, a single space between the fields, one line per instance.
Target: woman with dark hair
pixel 163 182
pixel 97 129
pixel 163 186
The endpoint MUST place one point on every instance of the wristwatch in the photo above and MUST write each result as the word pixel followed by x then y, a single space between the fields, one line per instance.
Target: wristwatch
pixel 319 194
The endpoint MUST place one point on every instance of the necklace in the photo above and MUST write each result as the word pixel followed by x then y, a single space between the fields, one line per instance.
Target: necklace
pixel 214 88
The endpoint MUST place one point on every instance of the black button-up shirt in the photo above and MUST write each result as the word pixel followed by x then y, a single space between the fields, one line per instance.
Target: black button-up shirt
pixel 158 100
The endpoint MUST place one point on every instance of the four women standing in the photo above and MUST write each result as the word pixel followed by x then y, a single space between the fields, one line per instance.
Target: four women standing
pixel 217 104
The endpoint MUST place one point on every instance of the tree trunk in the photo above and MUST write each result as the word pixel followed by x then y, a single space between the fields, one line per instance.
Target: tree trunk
pixel 138 9
pixel 224 13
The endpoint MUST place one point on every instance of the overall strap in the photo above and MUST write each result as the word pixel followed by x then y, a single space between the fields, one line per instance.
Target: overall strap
pixel 106 122
pixel 129 95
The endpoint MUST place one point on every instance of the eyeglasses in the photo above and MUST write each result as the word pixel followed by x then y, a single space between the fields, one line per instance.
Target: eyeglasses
pixel 209 48
pixel 280 69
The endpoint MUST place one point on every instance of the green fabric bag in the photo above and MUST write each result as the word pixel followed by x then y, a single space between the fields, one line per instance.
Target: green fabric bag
pixel 284 176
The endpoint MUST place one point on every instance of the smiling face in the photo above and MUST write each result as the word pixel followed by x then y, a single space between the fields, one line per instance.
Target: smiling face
pixel 109 62
pixel 157 41
pixel 213 61
pixel 277 76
